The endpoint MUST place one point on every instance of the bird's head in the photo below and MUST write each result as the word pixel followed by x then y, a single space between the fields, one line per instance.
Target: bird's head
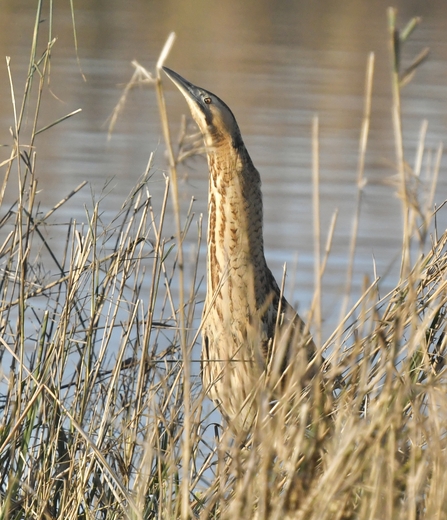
pixel 214 118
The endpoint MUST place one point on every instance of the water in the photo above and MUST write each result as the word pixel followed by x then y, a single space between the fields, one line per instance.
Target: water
pixel 277 66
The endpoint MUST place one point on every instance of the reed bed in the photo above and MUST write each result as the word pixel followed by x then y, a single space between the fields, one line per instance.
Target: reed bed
pixel 102 413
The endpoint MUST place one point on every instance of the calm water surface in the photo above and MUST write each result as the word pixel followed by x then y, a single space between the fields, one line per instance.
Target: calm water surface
pixel 277 65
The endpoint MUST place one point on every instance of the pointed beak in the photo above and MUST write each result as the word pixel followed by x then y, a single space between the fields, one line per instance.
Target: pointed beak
pixel 190 91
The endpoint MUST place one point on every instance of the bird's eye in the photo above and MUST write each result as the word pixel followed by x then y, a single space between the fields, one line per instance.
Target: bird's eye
pixel 207 100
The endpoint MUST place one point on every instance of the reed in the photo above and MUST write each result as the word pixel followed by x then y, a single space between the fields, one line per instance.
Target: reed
pixel 102 411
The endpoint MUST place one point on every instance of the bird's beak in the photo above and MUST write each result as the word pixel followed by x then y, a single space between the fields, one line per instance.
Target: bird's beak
pixel 190 91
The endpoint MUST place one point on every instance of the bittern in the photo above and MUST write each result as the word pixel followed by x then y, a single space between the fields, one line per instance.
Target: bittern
pixel 251 336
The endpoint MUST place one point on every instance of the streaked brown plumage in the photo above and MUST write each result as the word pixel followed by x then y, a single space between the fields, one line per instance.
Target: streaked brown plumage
pixel 246 343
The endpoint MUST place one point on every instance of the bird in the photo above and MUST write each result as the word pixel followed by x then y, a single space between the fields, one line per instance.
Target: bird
pixel 252 338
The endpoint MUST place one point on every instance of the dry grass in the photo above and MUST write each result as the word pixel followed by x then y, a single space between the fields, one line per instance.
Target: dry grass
pixel 102 419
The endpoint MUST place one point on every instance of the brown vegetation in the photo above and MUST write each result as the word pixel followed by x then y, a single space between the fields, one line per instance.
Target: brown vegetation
pixel 101 417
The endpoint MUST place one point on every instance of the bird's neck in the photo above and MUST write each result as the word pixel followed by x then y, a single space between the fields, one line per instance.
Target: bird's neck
pixel 235 243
